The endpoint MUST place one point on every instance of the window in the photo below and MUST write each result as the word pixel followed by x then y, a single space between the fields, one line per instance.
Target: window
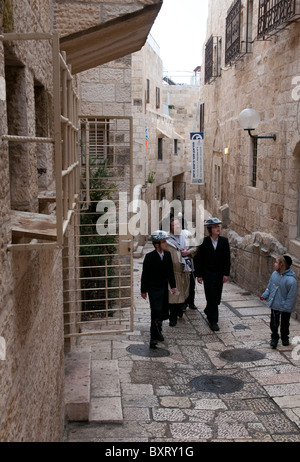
pixel 212 59
pixel 275 15
pixel 201 127
pixel 233 33
pixel 157 97
pixel 148 91
pixel 253 169
pixel 29 121
pixel 175 147
pixel 42 130
pixel 238 31
pixel 159 148
pixel 217 182
pixel 94 141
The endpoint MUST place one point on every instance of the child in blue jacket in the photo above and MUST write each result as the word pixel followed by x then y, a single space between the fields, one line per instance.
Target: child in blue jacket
pixel 281 294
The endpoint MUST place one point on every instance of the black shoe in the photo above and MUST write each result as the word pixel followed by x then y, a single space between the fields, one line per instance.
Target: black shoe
pixel 193 307
pixel 153 343
pixel 161 337
pixel 285 342
pixel 273 344
pixel 172 323
pixel 214 326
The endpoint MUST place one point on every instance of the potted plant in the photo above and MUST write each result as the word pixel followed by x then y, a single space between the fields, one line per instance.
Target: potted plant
pixel 151 177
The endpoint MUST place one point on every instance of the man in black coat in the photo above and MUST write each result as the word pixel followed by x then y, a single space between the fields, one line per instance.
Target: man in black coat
pixel 212 267
pixel 156 275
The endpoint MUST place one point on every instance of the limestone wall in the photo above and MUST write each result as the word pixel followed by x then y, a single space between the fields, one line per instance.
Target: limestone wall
pixel 264 80
pixel 31 291
pixel 31 281
pixel 75 15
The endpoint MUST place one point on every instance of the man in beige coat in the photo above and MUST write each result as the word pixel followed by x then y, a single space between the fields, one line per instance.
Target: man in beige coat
pixel 182 255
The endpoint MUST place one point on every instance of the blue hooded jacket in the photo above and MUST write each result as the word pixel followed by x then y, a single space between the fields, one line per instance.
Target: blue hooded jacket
pixel 282 291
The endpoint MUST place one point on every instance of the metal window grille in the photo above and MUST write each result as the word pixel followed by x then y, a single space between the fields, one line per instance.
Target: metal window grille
pixel 35 227
pixel 104 291
pixel 212 59
pixel 275 15
pixel 233 33
pixel 254 162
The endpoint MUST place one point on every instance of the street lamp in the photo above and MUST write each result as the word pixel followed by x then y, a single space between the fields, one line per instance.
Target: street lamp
pixel 249 120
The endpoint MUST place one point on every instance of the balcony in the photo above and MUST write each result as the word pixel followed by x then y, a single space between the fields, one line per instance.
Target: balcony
pixel 275 15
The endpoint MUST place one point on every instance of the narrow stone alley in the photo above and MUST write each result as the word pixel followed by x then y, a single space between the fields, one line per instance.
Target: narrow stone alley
pixel 199 385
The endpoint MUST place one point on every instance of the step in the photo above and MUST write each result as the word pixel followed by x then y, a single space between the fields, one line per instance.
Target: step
pixel 77 384
pixel 106 404
pixel 138 252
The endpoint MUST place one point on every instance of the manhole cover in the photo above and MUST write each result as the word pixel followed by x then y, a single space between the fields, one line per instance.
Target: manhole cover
pixel 144 350
pixel 240 327
pixel 241 355
pixel 217 384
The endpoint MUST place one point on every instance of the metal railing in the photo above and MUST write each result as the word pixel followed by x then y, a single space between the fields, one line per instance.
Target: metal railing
pixel 65 147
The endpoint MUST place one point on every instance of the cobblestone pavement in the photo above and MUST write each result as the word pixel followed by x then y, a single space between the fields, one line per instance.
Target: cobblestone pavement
pixel 202 386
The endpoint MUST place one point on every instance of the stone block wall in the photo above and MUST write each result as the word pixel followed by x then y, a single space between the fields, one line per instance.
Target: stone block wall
pixel 75 15
pixel 264 80
pixel 31 291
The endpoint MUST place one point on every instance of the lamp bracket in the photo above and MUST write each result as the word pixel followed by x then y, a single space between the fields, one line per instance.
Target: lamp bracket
pixel 258 136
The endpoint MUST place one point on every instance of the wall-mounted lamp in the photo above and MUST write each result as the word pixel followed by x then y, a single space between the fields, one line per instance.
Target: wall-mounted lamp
pixel 249 120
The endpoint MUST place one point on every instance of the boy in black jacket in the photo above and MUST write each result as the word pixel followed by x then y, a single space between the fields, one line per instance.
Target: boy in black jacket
pixel 156 275
pixel 212 267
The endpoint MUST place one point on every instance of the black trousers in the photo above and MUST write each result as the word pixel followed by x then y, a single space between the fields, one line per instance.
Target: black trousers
pixel 175 310
pixel 280 319
pixel 213 286
pixel 158 299
pixel 191 298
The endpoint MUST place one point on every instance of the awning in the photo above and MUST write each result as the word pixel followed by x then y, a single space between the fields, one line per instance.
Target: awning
pixel 111 40
pixel 162 133
pixel 174 135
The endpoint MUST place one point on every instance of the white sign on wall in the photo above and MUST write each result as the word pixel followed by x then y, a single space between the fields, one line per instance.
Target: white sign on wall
pixel 197 156
pixel 2 349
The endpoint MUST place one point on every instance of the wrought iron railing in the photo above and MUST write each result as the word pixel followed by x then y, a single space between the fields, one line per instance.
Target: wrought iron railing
pixel 233 35
pixel 212 59
pixel 274 15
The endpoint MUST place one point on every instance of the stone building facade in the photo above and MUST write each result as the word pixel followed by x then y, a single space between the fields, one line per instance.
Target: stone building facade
pixel 161 113
pixel 38 192
pixel 252 60
pixel 164 116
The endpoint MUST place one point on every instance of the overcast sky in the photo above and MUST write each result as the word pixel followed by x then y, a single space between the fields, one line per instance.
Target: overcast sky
pixel 180 30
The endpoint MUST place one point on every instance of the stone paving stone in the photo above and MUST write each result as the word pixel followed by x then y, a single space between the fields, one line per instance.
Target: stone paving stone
pixel 175 401
pixel 211 404
pixel 199 415
pixel 139 413
pixel 288 390
pixel 160 405
pixel 171 415
pixel 253 311
pixel 278 423
pixel 261 405
pixel 191 431
pixel 106 410
pixel 275 378
pixel 246 303
pixel 288 402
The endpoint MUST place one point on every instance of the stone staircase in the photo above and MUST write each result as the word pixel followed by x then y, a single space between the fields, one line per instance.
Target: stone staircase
pixel 92 388
pixel 137 250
